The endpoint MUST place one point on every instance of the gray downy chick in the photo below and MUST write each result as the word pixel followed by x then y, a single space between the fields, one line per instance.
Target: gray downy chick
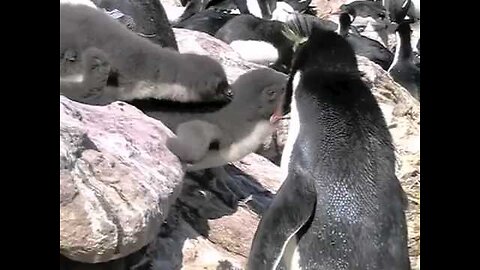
pixel 214 139
pixel 142 68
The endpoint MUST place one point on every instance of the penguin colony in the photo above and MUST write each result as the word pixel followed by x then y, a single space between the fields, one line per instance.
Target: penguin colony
pixel 341 206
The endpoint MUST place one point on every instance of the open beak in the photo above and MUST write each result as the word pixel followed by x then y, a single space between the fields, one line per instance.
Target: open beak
pixel 278 112
pixel 275 118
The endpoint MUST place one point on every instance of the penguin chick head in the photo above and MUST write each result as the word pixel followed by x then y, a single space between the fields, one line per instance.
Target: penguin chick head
pixel 259 94
pixel 205 76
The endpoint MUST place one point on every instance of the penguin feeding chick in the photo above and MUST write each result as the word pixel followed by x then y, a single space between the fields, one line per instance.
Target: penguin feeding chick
pixel 207 140
pixel 341 205
pixel 139 67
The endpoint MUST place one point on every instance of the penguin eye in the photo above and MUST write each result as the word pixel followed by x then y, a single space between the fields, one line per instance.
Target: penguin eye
pixel 229 93
pixel 223 88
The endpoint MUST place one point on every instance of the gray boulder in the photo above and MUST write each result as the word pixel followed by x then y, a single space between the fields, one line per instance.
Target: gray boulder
pixel 190 41
pixel 172 3
pixel 117 180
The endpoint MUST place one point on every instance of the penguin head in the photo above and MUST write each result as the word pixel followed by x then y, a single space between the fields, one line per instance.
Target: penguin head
pixel 349 12
pixel 346 8
pixel 398 15
pixel 259 93
pixel 324 51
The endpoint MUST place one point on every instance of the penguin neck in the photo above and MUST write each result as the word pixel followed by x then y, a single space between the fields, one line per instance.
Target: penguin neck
pixel 343 29
pixel 403 49
pixel 344 24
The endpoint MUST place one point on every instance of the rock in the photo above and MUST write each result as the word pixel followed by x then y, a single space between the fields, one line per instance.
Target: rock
pixel 201 231
pixel 174 13
pixel 184 248
pixel 221 236
pixel 173 9
pixel 327 6
pixel 190 41
pixel 400 109
pixel 267 176
pixel 171 3
pixel 117 180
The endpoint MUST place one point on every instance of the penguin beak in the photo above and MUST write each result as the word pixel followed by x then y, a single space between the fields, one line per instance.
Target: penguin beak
pixel 224 92
pixel 278 111
pixel 392 27
pixel 229 93
pixel 275 118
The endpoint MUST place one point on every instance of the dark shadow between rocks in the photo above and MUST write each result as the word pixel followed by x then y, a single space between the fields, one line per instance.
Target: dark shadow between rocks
pixel 205 195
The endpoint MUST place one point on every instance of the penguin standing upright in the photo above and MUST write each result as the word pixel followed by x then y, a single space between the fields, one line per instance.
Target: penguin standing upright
pixel 341 205
pixel 403 69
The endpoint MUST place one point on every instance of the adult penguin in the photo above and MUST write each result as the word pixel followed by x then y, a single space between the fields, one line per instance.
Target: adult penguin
pixel 341 205
pixel 208 21
pixel 259 40
pixel 365 46
pixel 397 9
pixel 150 19
pixel 403 69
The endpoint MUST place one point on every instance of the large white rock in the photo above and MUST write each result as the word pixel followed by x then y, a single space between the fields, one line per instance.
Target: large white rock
pixel 117 180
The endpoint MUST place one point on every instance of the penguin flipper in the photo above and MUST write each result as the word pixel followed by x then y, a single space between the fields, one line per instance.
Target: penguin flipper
pixel 291 209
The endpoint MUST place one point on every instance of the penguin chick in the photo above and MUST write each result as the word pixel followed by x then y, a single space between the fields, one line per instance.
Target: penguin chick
pixel 227 135
pixel 144 69
pixel 94 77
